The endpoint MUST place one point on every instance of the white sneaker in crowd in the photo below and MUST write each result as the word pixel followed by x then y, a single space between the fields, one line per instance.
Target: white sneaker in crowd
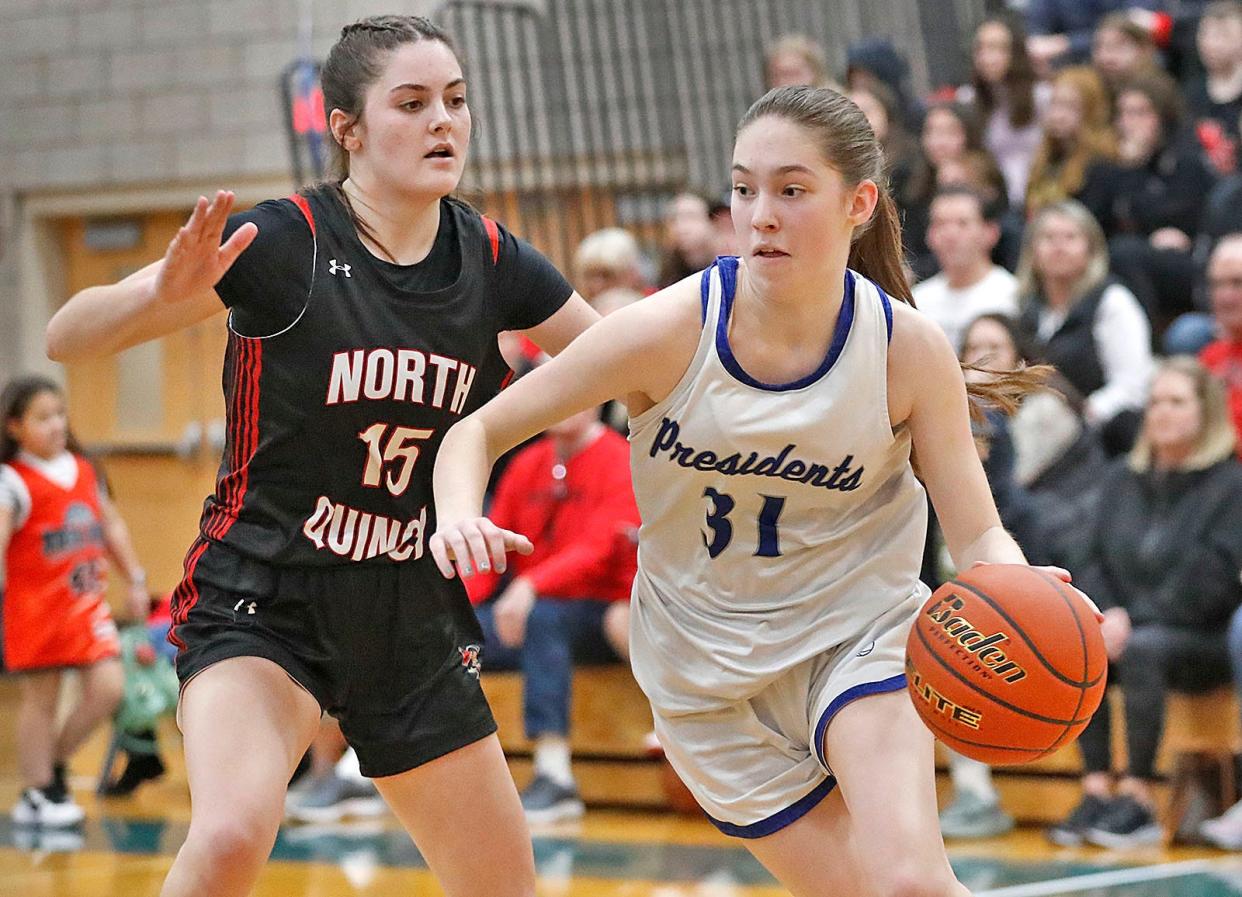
pixel 50 806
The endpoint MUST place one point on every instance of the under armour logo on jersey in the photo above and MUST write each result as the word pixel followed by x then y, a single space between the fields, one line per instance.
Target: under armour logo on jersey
pixel 334 266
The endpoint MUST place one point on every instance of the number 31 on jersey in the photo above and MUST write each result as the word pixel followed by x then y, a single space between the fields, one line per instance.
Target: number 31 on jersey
pixel 722 504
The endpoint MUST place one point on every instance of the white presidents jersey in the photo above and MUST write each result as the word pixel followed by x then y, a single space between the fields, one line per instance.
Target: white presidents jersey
pixel 779 521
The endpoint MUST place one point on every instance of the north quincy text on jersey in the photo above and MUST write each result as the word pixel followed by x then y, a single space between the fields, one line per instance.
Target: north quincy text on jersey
pixel 403 375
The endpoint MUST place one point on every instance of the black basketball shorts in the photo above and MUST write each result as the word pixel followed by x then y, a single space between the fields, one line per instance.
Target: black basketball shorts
pixel 390 650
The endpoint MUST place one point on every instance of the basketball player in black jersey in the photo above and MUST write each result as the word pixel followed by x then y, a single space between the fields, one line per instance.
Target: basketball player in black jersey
pixel 363 323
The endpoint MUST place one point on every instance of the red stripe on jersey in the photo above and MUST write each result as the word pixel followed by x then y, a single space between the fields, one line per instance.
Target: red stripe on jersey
pixel 228 486
pixel 300 201
pixel 493 235
pixel 254 369
pixel 507 380
pixel 185 596
pixel 215 520
pixel 248 365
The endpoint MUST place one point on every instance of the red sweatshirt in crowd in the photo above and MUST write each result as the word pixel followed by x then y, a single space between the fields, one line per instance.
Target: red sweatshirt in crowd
pixel 584 524
pixel 1224 359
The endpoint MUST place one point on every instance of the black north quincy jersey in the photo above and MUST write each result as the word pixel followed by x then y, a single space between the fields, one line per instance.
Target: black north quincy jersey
pixel 343 373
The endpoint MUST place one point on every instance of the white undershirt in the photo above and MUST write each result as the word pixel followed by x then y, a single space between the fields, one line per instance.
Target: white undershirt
pixel 955 309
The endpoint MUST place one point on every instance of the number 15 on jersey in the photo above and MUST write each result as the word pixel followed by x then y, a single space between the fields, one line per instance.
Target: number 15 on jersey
pixel 399 452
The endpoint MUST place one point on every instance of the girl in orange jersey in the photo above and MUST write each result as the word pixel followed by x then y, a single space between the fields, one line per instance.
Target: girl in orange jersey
pixel 56 527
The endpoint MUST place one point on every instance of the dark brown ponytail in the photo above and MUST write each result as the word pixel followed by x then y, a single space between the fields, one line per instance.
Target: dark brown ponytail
pixel 876 252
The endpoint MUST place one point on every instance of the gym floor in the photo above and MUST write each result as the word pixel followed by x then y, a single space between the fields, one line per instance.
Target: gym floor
pixel 127 845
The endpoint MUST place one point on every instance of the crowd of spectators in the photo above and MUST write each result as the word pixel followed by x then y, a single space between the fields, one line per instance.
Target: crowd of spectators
pixel 1076 202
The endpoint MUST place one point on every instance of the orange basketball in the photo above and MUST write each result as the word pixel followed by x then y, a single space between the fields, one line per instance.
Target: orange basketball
pixel 1006 664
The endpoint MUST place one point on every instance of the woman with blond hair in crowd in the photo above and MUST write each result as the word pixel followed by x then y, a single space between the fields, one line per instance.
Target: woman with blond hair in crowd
pixel 1164 560
pixel 1082 321
pixel 1077 133
pixel 608 269
pixel 796 60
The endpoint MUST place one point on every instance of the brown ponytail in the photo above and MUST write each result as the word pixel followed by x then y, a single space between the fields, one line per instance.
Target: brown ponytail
pixel 1004 390
pixel 876 252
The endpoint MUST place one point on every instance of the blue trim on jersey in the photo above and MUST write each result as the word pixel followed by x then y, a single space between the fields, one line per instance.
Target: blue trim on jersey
pixel 888 308
pixel 862 690
pixel 780 819
pixel 705 286
pixel 727 266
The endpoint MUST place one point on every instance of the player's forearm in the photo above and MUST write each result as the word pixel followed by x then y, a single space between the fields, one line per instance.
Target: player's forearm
pixel 100 320
pixel 463 464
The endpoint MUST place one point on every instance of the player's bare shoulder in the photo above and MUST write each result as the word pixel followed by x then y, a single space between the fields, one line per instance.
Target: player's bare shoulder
pixel 663 331
pixel 919 355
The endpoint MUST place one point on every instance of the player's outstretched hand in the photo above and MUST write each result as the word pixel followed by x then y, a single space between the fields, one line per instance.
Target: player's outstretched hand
pixel 475 545
pixel 195 261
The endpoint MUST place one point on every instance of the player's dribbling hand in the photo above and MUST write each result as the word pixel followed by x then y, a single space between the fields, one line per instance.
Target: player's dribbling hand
pixel 195 261
pixel 475 545
pixel 1066 577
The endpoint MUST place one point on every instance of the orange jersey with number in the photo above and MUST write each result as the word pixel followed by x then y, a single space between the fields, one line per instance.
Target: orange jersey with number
pixel 54 610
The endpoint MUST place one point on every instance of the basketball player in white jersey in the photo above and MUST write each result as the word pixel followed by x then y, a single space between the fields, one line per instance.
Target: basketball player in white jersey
pixel 775 401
